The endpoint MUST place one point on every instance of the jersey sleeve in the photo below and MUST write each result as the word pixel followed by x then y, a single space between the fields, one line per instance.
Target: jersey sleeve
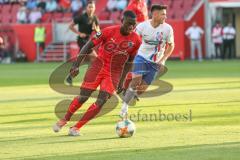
pixel 170 38
pixel 139 28
pixel 136 47
pixel 77 19
pixel 99 37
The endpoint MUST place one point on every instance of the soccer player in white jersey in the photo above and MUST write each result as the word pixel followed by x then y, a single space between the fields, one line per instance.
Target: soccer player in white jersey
pixel 157 45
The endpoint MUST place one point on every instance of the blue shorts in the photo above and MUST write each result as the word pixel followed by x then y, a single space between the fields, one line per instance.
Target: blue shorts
pixel 145 68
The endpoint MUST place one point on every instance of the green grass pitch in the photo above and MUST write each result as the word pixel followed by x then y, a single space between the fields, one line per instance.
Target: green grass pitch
pixel 211 90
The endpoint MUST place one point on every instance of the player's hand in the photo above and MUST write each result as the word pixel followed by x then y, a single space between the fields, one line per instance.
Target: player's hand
pixel 82 35
pixel 159 65
pixel 120 88
pixel 74 71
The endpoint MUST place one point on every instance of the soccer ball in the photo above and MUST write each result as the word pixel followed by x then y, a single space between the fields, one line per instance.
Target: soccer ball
pixel 125 128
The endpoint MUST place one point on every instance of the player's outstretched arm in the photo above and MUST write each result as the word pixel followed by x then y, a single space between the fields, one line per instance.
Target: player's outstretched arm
pixel 167 53
pixel 87 49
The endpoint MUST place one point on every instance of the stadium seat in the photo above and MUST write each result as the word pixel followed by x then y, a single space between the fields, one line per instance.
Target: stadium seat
pixel 47 17
pixel 180 14
pixel 177 5
pixel 155 1
pixel 188 4
pixel 170 14
pixel 14 18
pixel 15 8
pixel 57 17
pixel 6 8
pixel 104 15
pixel 6 18
pixel 167 2
pixel 67 17
pixel 115 16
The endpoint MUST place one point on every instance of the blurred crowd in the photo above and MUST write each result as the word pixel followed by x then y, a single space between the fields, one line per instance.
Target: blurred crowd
pixel 31 11
pixel 120 5
pixel 223 38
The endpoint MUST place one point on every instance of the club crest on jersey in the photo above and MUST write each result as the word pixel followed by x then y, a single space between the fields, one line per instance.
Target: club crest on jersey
pixel 159 36
pixel 130 44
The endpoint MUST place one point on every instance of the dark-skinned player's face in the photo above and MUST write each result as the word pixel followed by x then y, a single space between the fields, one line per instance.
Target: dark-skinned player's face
pixel 129 24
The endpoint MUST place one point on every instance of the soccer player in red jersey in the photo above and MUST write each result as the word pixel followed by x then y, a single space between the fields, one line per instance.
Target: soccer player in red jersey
pixel 139 7
pixel 118 45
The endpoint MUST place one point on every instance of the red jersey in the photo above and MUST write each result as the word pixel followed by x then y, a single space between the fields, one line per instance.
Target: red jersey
pixel 139 8
pixel 115 49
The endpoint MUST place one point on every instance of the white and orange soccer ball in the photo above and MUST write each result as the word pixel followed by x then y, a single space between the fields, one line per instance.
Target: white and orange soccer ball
pixel 125 128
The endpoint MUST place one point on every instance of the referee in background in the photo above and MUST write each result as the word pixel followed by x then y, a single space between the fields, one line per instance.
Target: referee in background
pixel 87 23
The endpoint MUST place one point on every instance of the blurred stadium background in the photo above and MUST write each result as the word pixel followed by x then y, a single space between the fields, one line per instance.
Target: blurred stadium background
pixel 61 42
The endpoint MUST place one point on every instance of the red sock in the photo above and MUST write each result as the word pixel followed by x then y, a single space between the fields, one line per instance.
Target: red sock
pixel 128 79
pixel 92 111
pixel 73 107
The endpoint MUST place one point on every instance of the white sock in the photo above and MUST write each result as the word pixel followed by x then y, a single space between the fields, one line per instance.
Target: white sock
pixel 124 108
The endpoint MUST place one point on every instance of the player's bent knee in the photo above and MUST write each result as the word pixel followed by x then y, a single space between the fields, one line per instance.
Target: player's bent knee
pixel 100 102
pixel 102 98
pixel 84 95
pixel 83 99
pixel 135 82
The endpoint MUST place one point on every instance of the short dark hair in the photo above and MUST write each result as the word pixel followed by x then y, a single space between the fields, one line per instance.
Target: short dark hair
pixel 158 7
pixel 91 2
pixel 129 13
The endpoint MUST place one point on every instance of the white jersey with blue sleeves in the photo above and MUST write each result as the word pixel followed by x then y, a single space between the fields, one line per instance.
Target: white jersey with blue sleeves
pixel 154 40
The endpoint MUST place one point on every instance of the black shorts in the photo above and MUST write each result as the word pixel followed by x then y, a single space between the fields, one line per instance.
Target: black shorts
pixel 82 41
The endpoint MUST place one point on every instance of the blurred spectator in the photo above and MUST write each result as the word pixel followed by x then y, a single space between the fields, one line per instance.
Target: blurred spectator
pixel 64 5
pixel 2 50
pixel 4 53
pixel 217 39
pixel 22 15
pixel 139 7
pixel 76 5
pixel 20 56
pixel 1 42
pixel 31 4
pixel 87 23
pixel 35 15
pixel 195 33
pixel 42 5
pixel 39 37
pixel 121 4
pixel 84 3
pixel 229 34
pixel 51 6
pixel 111 5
